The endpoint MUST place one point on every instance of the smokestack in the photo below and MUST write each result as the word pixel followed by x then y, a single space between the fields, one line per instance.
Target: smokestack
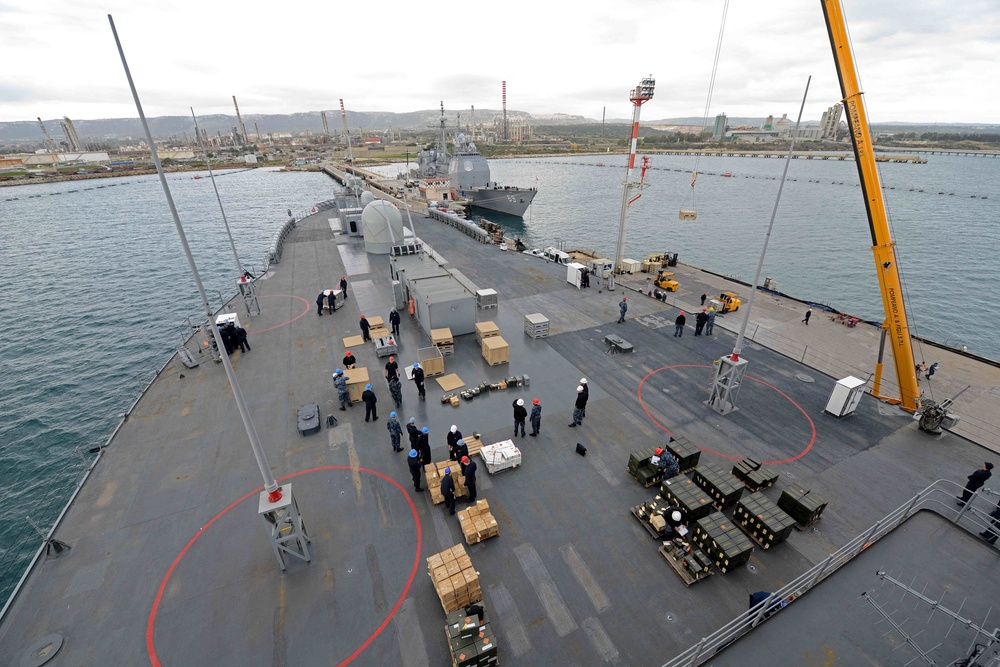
pixel 326 127
pixel 239 119
pixel 257 130
pixel 504 111
pixel 473 122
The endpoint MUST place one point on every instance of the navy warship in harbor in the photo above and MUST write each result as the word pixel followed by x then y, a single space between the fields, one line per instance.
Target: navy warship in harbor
pixel 470 175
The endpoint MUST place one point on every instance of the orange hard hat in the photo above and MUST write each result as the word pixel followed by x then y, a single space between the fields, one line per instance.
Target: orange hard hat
pixel 659 450
pixel 465 459
pixel 348 353
pixel 535 401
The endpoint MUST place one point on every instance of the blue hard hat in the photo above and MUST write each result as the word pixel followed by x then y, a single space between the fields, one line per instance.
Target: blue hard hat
pixel 413 453
pixel 392 414
pixel 461 441
pixel 413 420
pixel 416 365
pixel 425 430
pixel 447 471
pixel 338 372
pixel 368 386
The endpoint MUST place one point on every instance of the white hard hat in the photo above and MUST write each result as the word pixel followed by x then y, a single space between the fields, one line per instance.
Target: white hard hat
pixel 580 388
pixel 675 515
pixel 520 401
pixel 453 428
pixel 583 380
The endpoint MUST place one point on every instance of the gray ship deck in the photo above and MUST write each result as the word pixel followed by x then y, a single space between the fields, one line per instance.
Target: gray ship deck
pixel 169 557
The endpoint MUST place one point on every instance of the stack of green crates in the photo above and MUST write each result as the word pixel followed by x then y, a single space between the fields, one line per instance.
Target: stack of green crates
pixel 802 504
pixel 687 454
pixel 637 458
pixel 718 484
pixel 753 475
pixel 682 492
pixel 763 520
pixel 722 541
pixel 472 642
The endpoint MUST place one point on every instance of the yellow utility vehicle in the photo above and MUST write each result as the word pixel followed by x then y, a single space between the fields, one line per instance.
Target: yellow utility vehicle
pixel 730 302
pixel 665 280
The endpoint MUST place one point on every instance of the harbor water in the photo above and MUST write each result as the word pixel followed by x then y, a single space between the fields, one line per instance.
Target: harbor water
pixel 99 291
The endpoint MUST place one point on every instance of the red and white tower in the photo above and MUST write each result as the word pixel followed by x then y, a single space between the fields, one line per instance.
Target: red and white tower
pixel 505 111
pixel 639 95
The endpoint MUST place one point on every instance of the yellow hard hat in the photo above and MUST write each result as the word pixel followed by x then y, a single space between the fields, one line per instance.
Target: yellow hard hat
pixel 711 310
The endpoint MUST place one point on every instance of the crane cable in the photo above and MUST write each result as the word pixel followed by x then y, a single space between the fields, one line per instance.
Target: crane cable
pixel 899 266
pixel 711 89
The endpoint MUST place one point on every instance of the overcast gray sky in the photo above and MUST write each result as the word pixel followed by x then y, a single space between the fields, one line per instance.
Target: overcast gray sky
pixel 920 60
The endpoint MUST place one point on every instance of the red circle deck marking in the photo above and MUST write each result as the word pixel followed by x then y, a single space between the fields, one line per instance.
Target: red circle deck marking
pixel 812 426
pixel 287 322
pixel 151 623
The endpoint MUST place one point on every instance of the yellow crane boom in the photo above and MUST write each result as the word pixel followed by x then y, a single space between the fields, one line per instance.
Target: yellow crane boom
pixel 883 247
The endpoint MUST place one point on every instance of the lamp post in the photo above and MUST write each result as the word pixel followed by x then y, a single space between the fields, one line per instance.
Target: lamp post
pixel 638 96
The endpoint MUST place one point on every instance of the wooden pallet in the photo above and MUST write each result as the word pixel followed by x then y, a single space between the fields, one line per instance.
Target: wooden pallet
pixel 645 524
pixel 497 363
pixel 682 572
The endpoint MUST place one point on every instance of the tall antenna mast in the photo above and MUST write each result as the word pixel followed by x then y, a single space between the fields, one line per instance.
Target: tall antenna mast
pixel 473 122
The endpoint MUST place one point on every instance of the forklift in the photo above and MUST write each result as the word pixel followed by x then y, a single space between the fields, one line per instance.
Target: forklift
pixel 729 301
pixel 665 280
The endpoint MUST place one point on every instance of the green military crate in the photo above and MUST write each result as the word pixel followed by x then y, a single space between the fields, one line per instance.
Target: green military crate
pixel 463 626
pixel 803 506
pixel 722 541
pixel 648 475
pixel 755 476
pixel 718 484
pixel 686 453
pixel 762 520
pixel 687 495
pixel 638 457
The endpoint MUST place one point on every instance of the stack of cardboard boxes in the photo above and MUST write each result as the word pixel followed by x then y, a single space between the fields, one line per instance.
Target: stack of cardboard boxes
pixel 455 580
pixel 434 473
pixel 478 523
pixel 501 456
pixel 471 640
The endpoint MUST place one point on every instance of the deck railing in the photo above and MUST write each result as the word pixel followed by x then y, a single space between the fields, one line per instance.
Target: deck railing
pixel 939 497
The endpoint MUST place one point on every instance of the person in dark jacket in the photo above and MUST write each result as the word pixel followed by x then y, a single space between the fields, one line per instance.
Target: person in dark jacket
pixel 454 435
pixel 413 462
pixel 976 480
pixel 579 407
pixel 424 446
pixel 227 339
pixel 418 379
pixel 340 384
pixel 365 328
pixel 622 308
pixel 675 517
pixel 666 463
pixel 343 286
pixel 703 297
pixel 461 451
pixel 368 396
pixel 396 391
pixel 413 432
pixel 711 322
pixel 448 490
pixel 990 534
pixel 349 361
pixel 241 339
pixel 586 394
pixel 320 300
pixel 395 432
pixel 331 300
pixel 536 416
pixel 679 325
pixel 394 321
pixel 520 414
pixel 391 369
pixel 469 470
pixel 700 320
